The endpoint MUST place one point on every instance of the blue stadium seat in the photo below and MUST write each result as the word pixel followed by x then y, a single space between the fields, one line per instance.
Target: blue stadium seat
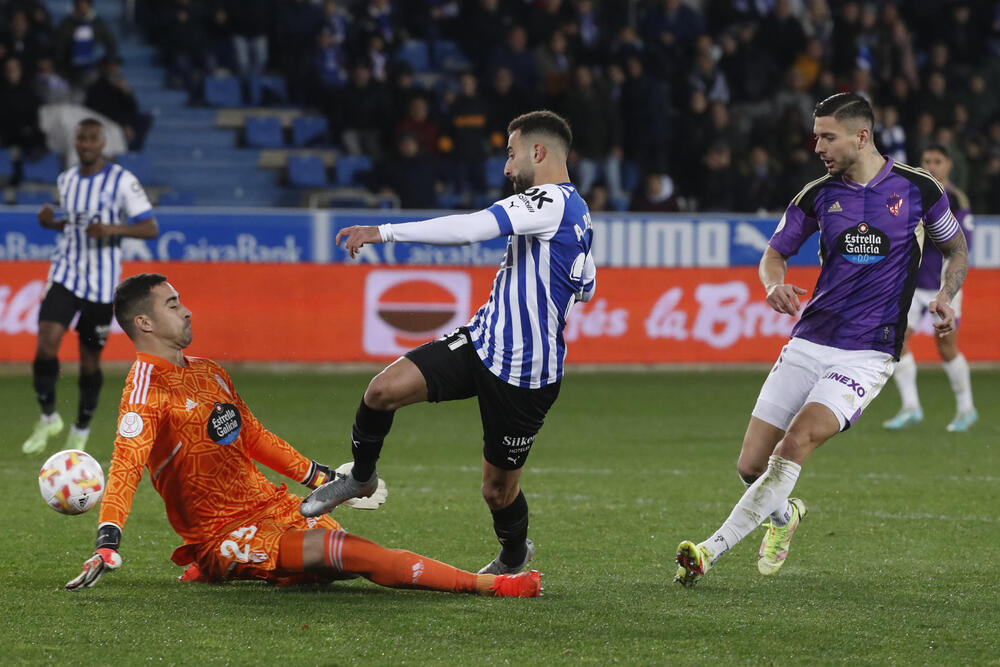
pixel 350 166
pixel 449 56
pixel 449 200
pixel 176 198
pixel 43 170
pixel 6 164
pixel 494 171
pixel 264 132
pixel 306 171
pixel 223 91
pixel 34 197
pixel 268 90
pixel 416 54
pixel 139 165
pixel 309 131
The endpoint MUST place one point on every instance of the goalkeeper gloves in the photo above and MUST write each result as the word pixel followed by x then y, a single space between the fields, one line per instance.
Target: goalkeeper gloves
pixel 317 476
pixel 105 558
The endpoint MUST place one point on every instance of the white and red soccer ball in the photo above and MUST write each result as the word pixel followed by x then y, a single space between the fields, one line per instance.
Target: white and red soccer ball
pixel 71 481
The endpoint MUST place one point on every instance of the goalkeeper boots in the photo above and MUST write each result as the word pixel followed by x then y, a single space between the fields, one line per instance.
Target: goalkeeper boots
pixel 774 547
pixel 499 567
pixel 342 487
pixel 523 585
pixel 903 419
pixel 46 427
pixel 693 562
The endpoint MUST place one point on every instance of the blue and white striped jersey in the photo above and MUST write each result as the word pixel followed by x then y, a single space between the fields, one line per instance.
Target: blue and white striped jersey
pixel 547 268
pixel 91 268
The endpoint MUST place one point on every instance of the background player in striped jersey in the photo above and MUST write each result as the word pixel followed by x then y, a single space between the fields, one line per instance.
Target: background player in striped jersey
pixel 936 160
pixel 872 214
pixel 182 419
pixel 510 355
pixel 103 204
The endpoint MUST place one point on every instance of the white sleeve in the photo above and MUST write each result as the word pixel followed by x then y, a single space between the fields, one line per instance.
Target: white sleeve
pixel 459 229
pixel 133 199
pixel 537 211
pixel 589 279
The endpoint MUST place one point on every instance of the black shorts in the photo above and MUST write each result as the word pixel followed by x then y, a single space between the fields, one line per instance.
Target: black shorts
pixel 511 415
pixel 60 305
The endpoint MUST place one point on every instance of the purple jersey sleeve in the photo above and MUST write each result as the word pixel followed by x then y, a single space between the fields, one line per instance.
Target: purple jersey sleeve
pixel 793 230
pixel 940 221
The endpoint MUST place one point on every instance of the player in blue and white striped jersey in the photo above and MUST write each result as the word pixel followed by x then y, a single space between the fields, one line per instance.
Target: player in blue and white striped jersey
pixel 510 356
pixel 103 204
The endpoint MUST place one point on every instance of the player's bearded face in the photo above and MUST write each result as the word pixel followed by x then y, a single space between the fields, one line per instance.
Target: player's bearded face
pixel 519 168
pixel 836 145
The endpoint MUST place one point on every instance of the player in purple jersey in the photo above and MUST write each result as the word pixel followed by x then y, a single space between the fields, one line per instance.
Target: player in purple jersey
pixel 872 214
pixel 510 355
pixel 936 160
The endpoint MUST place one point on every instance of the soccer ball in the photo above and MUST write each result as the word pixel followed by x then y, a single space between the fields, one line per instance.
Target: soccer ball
pixel 71 481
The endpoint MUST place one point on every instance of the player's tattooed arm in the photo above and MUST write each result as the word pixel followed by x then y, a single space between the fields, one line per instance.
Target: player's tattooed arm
pixel 782 297
pixel 956 257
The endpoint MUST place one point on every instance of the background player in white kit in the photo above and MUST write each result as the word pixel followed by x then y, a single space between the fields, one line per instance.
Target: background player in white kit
pixel 103 204
pixel 937 161
pixel 510 356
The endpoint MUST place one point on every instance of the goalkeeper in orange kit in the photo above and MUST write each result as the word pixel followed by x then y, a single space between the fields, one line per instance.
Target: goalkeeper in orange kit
pixel 181 419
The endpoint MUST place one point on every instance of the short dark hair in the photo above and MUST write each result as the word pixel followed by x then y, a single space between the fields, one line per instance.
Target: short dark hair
pixel 91 122
pixel 132 298
pixel 940 148
pixel 844 106
pixel 543 122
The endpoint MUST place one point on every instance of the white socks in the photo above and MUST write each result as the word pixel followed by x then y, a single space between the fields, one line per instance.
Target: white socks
pixel 779 517
pixel 958 374
pixel 768 494
pixel 905 376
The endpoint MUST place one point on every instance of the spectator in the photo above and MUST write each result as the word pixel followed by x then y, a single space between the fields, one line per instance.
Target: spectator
pixel 936 101
pixel 846 33
pixel 110 95
pixel 656 195
pixel 81 40
pixel 49 86
pixel 708 79
pixel 980 101
pixel 597 134
pixel 548 16
pixel 691 143
pixel 418 124
pixel 485 23
pixel 329 71
pixel 515 56
pixel 298 23
pixel 891 135
pixel 923 135
pixel 717 187
pixel 186 50
pixel 409 175
pixel 781 34
pixel 597 198
pixel 645 104
pixel 587 32
pixel 360 116
pixel 760 185
pixel 377 18
pixel 553 65
pixel 721 130
pixel 19 111
pixel 504 103
pixel 23 43
pixel 250 21
pixel 468 134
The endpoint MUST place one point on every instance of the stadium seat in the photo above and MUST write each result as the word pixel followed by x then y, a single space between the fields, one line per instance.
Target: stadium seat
pixel 494 171
pixel 6 164
pixel 176 198
pixel 34 197
pixel 223 91
pixel 306 171
pixel 416 54
pixel 264 132
pixel 43 170
pixel 268 91
pixel 449 56
pixel 309 131
pixel 449 200
pixel 139 165
pixel 350 166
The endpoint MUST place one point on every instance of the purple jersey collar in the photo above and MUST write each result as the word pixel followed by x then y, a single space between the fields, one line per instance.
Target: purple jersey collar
pixel 879 177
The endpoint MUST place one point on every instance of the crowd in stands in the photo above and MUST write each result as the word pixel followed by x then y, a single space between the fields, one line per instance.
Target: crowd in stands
pixel 675 105
pixel 74 60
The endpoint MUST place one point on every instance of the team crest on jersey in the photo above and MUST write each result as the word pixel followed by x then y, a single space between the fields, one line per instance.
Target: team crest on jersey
pixel 130 425
pixel 894 203
pixel 863 244
pixel 224 423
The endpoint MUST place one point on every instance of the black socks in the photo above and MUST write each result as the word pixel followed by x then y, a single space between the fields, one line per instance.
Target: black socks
pixel 370 428
pixel 45 372
pixel 90 390
pixel 511 526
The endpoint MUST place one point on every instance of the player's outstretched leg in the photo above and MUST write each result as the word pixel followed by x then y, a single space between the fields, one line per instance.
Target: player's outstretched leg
pixel 343 552
pixel 45 372
pixel 342 487
pixel 775 545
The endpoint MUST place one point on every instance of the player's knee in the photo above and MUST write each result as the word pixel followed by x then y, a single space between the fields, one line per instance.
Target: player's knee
pixel 796 445
pixel 749 471
pixel 498 495
pixel 380 394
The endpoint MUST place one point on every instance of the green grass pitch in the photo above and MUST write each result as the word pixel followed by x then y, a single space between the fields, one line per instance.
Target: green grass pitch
pixel 898 561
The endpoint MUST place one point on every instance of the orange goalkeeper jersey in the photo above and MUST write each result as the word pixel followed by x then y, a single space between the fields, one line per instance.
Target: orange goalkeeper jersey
pixel 199 441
